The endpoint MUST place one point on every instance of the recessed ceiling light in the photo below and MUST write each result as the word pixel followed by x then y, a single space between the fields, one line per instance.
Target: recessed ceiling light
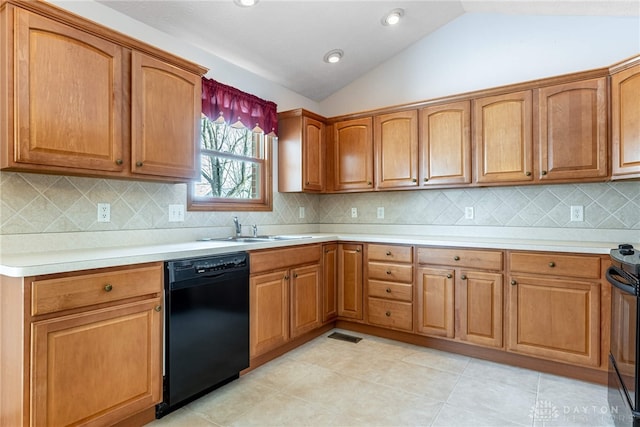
pixel 393 17
pixel 333 56
pixel 246 3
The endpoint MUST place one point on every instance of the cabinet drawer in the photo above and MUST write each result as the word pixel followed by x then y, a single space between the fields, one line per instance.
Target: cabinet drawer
pixel 390 253
pixel 392 314
pixel 396 291
pixel 584 266
pixel 276 259
pixel 488 260
pixel 81 290
pixel 390 272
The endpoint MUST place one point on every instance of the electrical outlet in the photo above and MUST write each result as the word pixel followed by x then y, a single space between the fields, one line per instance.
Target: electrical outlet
pixel 104 212
pixel 380 212
pixel 354 212
pixel 301 212
pixel 176 213
pixel 468 212
pixel 577 213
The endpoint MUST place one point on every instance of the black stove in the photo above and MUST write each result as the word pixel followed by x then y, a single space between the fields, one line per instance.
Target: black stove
pixel 627 259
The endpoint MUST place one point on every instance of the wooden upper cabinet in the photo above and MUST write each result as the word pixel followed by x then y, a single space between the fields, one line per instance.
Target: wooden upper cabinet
pixel 625 122
pixel 353 155
pixel 572 125
pixel 90 101
pixel 445 144
pixel 68 97
pixel 502 136
pixel 396 149
pixel 301 152
pixel 165 118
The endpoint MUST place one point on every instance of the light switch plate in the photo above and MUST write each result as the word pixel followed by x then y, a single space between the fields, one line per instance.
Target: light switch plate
pixel 301 212
pixel 380 212
pixel 176 213
pixel 468 212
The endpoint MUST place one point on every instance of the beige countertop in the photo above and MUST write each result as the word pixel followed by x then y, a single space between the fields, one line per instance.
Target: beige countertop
pixel 70 259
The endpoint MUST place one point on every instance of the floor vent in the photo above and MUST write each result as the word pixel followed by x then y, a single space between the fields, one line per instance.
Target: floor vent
pixel 344 337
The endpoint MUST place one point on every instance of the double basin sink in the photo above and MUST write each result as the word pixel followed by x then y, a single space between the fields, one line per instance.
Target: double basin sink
pixel 254 239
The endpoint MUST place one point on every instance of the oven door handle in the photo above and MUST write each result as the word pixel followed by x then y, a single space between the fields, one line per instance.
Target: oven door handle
pixel 614 278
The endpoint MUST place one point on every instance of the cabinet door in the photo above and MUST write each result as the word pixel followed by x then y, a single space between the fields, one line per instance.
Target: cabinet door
pixel 68 97
pixel 165 122
pixel 353 155
pixel 573 130
pixel 312 155
pixel 435 289
pixel 502 137
pixel 99 366
pixel 555 319
pixel 625 126
pixel 396 149
pixel 479 308
pixel 446 144
pixel 269 308
pixel 330 282
pixel 306 305
pixel 350 281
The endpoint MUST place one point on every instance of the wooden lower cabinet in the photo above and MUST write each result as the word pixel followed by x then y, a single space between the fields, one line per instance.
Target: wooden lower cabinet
pixel 350 281
pixel 97 367
pixel 330 282
pixel 555 319
pixel 459 301
pixel 285 298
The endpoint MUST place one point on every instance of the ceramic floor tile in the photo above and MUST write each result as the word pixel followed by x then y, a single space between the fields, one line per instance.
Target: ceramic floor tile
pixel 438 359
pixel 495 399
pixel 525 379
pixel 281 372
pixel 183 417
pixel 420 380
pixel 453 416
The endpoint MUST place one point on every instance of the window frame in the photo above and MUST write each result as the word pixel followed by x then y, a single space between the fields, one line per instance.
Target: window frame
pixel 264 203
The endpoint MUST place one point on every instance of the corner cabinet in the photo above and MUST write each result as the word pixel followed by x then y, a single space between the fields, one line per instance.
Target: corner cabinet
pixel 97 327
pixel 89 101
pixel 353 155
pixel 625 120
pixel 301 152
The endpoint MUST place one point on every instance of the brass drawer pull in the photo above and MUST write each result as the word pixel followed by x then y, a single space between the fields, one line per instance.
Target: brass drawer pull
pixel 388 314
pixel 139 164
pixel 552 264
pixel 513 282
pixel 463 277
pixel 286 277
pixel 456 258
pixel 119 162
pixel 388 253
pixel 158 308
pixel 108 287
pixel 388 290
pixel 388 272
pixel 449 276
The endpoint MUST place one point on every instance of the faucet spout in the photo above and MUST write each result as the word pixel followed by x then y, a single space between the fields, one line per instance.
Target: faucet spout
pixel 237 226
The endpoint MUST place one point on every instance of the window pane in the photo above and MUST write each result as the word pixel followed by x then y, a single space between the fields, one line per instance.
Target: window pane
pixel 228 139
pixel 228 178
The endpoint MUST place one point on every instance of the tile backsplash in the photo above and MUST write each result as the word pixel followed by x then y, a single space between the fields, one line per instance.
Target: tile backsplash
pixel 34 203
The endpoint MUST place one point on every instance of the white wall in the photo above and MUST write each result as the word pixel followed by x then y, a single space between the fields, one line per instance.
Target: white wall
pixel 479 51
pixel 219 69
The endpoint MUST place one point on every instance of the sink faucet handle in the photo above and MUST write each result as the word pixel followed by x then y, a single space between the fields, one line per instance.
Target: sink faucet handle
pixel 254 227
pixel 237 226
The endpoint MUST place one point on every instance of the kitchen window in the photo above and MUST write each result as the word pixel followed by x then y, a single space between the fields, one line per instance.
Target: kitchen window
pixel 235 155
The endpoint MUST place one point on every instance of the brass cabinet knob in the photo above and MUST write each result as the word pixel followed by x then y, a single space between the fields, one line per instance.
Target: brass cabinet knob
pixel 108 287
pixel 388 253
pixel 388 271
pixel 357 250
pixel 388 290
pixel 368 182
pixel 388 314
pixel 118 162
pixel 528 173
pixel 449 276
pixel 544 172
pixel 513 282
pixel 456 258
pixel 158 308
pixel 138 164
pixel 552 264
pixel 306 183
pixel 414 180
pixel 463 277
pixel 426 179
pixel 286 277
pixel 295 275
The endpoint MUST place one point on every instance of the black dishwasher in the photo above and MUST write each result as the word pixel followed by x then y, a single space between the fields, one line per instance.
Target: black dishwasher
pixel 206 326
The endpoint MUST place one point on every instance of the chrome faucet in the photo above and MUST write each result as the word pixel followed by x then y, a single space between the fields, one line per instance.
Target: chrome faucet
pixel 237 225
pixel 254 227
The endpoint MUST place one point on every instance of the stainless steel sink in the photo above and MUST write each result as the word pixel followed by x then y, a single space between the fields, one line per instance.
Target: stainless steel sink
pixel 254 239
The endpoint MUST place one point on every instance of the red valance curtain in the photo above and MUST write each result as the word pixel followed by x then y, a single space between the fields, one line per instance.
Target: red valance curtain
pixel 236 105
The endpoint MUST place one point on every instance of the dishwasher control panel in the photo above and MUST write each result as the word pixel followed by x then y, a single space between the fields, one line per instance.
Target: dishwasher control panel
pixel 193 267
